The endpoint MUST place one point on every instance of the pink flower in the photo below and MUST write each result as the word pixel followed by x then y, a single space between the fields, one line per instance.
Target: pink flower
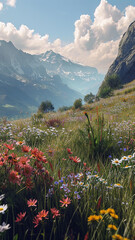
pixel 28 170
pixel 14 177
pixel 42 214
pixel 69 151
pixel 55 212
pixel 20 216
pixel 10 147
pixel 32 203
pixel 36 221
pixel 23 161
pixel 26 148
pixel 65 202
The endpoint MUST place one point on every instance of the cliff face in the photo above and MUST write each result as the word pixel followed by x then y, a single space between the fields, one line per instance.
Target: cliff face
pixel 124 64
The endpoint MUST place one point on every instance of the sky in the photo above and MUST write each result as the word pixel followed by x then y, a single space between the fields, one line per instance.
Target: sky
pixel 85 31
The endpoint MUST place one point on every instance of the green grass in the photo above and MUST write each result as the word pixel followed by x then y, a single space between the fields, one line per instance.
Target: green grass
pixel 68 156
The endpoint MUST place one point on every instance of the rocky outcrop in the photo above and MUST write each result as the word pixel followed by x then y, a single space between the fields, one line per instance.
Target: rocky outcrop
pixel 124 64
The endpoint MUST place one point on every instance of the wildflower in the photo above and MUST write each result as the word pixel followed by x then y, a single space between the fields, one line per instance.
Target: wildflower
pixel 28 170
pixel 26 148
pixel 14 177
pixel 114 215
pixel 20 216
pixel 32 203
pixel 65 202
pixel 3 208
pixel 69 151
pixel 76 159
pixel 117 237
pixel 109 187
pixel 116 162
pixel 103 211
pixel 42 214
pixel 10 147
pixel 36 221
pixel 110 210
pixel 127 167
pixel 23 161
pixel 118 185
pixel 94 218
pixel 4 227
pixel 124 158
pixel 110 226
pixel 55 212
pixel 20 142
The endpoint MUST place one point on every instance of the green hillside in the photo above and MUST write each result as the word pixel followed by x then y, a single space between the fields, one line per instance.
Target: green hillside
pixel 70 175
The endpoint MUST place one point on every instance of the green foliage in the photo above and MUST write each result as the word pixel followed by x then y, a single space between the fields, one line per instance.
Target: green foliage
pixel 78 103
pixel 64 108
pixel 109 84
pixel 89 98
pixel 46 106
pixel 113 81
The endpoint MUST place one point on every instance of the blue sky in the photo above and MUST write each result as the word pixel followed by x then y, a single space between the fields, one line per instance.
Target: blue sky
pixel 82 30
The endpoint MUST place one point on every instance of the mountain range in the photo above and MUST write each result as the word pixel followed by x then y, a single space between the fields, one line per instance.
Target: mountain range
pixel 83 79
pixel 26 80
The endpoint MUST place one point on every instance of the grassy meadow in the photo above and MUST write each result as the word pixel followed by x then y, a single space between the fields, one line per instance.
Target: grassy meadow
pixel 70 175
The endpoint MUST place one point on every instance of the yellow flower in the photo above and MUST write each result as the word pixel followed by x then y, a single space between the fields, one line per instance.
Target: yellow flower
pixel 110 210
pixel 112 227
pixel 114 215
pixel 103 211
pixel 117 237
pixel 94 218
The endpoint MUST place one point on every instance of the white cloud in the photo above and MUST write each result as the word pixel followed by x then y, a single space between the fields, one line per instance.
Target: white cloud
pixel 95 43
pixel 11 3
pixel 1 6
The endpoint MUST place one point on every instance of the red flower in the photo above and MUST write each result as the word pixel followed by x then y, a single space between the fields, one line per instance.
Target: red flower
pixel 20 216
pixel 55 212
pixel 42 214
pixel 26 148
pixel 69 151
pixel 36 221
pixel 23 161
pixel 28 170
pixel 65 202
pixel 76 159
pixel 10 147
pixel 14 177
pixel 32 203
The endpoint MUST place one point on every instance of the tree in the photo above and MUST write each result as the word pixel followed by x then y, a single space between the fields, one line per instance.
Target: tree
pixel 46 106
pixel 78 103
pixel 89 98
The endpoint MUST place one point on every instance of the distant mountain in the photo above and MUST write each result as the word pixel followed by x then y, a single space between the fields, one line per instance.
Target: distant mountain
pixel 24 83
pixel 124 64
pixel 83 79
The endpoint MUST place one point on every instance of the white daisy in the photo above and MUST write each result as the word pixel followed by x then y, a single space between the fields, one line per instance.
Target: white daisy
pixel 4 227
pixel 3 208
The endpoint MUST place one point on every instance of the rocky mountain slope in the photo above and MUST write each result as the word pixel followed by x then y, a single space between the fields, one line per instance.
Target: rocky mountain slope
pixel 124 64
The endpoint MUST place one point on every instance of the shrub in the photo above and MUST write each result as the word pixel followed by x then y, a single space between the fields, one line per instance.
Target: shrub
pixel 89 98
pixel 54 122
pixel 46 106
pixel 78 103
